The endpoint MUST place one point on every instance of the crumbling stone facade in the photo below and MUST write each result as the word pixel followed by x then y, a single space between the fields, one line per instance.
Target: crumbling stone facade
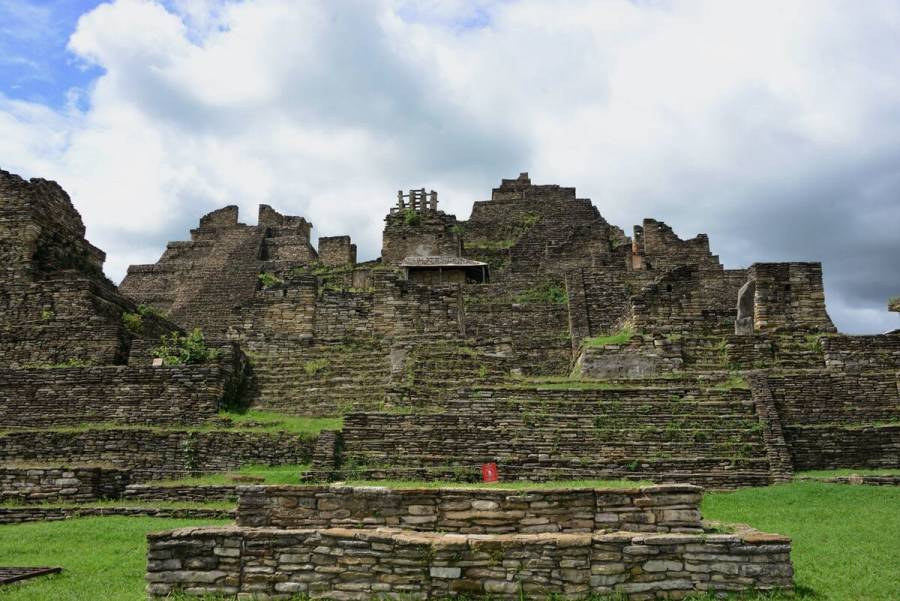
pixel 659 337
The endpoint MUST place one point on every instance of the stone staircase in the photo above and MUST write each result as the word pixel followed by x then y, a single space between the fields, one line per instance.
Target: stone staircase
pixel 707 436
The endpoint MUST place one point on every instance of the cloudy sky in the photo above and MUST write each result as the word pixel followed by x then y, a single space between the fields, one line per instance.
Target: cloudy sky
pixel 772 126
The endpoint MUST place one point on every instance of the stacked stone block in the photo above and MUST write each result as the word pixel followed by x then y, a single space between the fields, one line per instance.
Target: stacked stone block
pixel 507 556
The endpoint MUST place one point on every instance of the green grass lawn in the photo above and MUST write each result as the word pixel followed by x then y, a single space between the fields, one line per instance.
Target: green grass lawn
pixel 103 559
pixel 846 539
pixel 846 543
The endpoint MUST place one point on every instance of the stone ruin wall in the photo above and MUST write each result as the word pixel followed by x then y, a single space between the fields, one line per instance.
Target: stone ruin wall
pixel 56 305
pixel 337 251
pixel 514 548
pixel 833 419
pixel 150 454
pixel 198 283
pixel 36 484
pixel 547 434
pixel 668 508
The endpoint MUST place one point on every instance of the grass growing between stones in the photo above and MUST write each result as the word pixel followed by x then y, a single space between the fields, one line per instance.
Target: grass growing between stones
pixel 281 474
pixel 516 485
pixel 103 559
pixel 848 472
pixel 280 422
pixel 125 503
pixel 845 538
pixel 620 337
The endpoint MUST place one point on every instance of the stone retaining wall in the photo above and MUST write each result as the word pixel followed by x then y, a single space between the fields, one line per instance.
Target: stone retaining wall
pixel 155 454
pixel 20 515
pixel 672 508
pixel 362 564
pixel 198 493
pixel 51 484
pixel 189 394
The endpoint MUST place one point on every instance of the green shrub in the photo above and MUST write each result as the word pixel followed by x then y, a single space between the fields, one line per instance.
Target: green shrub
pixel 133 322
pixel 189 349
pixel 315 366
pixel 411 218
pixel 47 315
pixel 551 293
pixel 268 279
pixel 147 310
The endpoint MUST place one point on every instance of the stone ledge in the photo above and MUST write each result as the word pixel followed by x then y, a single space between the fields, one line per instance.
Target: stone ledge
pixel 268 562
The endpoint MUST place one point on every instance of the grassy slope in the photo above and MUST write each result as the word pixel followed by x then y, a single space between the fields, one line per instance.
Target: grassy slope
pixel 104 559
pixel 846 539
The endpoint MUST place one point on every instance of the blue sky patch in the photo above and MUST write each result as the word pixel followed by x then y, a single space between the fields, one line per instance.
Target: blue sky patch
pixel 34 63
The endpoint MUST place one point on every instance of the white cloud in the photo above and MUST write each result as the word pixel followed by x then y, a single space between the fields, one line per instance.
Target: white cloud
pixel 772 126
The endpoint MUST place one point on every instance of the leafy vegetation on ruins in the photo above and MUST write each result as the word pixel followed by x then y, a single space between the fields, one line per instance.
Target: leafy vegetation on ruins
pixel 185 349
pixel 549 292
pixel 268 279
pixel 134 322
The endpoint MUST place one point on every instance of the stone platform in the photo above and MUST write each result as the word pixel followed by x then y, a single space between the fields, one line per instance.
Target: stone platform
pixel 643 543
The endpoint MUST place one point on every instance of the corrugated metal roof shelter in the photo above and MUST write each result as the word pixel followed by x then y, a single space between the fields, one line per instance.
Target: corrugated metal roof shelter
pixel 444 269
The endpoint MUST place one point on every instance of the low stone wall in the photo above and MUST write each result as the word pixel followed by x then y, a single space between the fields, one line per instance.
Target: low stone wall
pixel 362 564
pixel 668 508
pixel 157 454
pixel 67 484
pixel 20 515
pixel 196 493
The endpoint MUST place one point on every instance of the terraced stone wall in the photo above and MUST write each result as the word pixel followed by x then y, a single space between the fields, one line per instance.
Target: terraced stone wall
pixel 61 484
pixel 540 229
pixel 56 305
pixel 190 394
pixel 665 433
pixel 522 314
pixel 345 563
pixel 836 420
pixel 200 281
pixel 673 508
pixel 153 454
pixel 858 353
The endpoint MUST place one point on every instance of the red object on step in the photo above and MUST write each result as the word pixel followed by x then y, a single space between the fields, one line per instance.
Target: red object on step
pixel 489 472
